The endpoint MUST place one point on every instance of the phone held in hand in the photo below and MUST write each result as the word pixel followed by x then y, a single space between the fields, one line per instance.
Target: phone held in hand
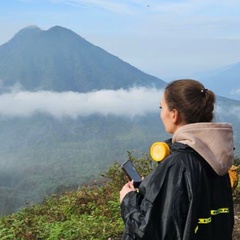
pixel 132 173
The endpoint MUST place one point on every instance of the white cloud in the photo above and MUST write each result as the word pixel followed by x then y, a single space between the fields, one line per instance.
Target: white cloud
pixel 235 95
pixel 127 103
pixel 236 92
pixel 223 112
pixel 112 6
pixel 130 103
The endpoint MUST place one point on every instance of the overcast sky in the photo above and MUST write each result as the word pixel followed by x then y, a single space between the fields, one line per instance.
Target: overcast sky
pixel 165 38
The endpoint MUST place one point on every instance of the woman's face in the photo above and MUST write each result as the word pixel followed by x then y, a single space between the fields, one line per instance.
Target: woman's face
pixel 168 117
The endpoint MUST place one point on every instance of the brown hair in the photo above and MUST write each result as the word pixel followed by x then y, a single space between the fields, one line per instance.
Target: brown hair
pixel 191 99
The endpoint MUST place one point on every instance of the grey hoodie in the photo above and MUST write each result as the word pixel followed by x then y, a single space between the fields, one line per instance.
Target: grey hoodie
pixel 213 141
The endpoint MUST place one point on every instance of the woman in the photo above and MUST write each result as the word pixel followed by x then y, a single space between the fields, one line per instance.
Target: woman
pixel 188 196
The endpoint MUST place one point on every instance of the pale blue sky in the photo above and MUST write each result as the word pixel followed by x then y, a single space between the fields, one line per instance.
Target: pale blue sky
pixel 164 38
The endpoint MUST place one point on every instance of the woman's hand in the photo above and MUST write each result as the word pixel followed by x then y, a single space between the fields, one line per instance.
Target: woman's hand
pixel 128 187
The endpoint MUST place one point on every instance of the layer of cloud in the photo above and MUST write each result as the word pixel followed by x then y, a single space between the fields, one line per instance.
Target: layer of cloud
pixel 124 103
pixel 224 114
pixel 236 93
pixel 130 103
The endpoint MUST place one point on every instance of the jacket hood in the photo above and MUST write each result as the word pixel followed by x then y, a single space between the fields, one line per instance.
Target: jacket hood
pixel 213 141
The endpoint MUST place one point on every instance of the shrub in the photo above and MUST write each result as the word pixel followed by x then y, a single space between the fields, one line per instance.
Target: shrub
pixel 91 212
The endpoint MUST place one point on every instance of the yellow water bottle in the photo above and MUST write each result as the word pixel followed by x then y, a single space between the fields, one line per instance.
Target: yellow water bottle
pixel 159 151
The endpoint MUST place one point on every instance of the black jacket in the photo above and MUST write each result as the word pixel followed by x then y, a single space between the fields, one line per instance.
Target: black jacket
pixel 182 199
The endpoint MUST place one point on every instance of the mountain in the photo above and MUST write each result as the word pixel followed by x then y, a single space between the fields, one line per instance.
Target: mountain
pixel 223 81
pixel 60 60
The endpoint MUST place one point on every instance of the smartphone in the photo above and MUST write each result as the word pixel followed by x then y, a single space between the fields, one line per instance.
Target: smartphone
pixel 132 173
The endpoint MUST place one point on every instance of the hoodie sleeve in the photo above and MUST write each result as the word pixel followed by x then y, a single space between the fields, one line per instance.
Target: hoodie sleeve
pixel 135 219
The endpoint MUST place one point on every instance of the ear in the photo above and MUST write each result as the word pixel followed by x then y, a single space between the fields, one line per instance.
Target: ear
pixel 176 118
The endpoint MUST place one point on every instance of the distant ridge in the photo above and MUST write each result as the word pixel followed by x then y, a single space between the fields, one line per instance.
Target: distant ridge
pixel 223 81
pixel 60 60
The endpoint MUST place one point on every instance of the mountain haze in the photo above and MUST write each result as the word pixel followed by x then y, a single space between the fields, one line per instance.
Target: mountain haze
pixel 60 60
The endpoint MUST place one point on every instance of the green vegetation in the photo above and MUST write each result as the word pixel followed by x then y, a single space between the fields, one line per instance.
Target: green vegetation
pixel 91 212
